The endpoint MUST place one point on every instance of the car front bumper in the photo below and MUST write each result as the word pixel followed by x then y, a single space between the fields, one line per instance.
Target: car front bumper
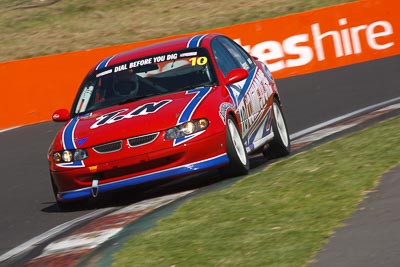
pixel 187 159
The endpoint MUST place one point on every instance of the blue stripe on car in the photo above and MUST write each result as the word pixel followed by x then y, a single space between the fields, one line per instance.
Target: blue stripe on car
pixel 69 143
pixel 230 89
pixel 187 113
pixel 195 41
pixel 132 181
pixel 104 63
pixel 246 85
pixel 190 108
pixel 68 134
pixel 266 128
pixel 74 164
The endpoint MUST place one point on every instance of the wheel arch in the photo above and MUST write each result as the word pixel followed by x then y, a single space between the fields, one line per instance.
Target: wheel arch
pixel 277 97
pixel 236 118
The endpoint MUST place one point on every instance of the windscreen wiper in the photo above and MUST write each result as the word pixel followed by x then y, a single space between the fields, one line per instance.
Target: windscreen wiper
pixel 133 98
pixel 189 87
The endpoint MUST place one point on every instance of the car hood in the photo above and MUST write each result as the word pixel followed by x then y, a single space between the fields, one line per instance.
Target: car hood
pixel 132 119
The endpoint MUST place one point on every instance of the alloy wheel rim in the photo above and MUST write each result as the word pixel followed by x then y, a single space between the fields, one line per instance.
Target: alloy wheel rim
pixel 280 123
pixel 237 142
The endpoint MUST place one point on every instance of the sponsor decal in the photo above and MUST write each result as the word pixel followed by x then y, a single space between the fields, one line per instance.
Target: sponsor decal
pixel 161 60
pixel 223 110
pixel 264 128
pixel 145 61
pixel 119 115
pixel 318 45
pixel 252 99
pixel 188 54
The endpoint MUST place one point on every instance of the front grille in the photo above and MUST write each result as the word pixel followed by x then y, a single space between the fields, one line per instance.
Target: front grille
pixel 142 140
pixel 109 147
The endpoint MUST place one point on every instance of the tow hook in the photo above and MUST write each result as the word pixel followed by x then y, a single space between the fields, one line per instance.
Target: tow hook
pixel 95 187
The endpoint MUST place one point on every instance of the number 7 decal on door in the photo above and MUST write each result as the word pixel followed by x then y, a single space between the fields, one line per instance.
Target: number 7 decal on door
pixel 186 115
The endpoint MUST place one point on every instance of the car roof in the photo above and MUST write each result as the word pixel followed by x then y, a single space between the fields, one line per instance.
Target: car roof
pixel 200 40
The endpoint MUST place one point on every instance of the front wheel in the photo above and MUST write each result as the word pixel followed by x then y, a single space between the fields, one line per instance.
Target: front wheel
pixel 280 144
pixel 238 159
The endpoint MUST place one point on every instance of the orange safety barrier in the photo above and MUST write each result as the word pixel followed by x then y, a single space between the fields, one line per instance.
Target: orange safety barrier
pixel 291 45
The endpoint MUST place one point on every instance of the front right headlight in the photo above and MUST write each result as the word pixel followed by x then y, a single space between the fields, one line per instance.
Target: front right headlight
pixel 186 129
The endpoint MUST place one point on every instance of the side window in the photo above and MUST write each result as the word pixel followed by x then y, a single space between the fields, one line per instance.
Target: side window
pixel 224 59
pixel 238 53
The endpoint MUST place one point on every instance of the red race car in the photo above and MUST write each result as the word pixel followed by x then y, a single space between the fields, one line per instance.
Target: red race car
pixel 165 111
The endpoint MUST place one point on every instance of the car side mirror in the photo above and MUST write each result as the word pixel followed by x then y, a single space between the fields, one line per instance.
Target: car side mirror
pixel 61 115
pixel 236 75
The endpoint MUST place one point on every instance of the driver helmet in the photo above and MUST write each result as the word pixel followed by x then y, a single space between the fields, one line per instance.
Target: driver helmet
pixel 126 83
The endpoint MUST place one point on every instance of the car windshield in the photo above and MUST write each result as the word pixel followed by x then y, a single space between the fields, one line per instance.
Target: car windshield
pixel 145 77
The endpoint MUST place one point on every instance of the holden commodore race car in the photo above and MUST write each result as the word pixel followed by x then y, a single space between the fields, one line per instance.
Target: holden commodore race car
pixel 165 111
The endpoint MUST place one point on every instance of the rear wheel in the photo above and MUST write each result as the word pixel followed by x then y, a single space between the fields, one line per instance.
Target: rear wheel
pixel 238 159
pixel 279 146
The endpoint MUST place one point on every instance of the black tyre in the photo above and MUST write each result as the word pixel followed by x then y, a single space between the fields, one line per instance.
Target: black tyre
pixel 279 146
pixel 238 159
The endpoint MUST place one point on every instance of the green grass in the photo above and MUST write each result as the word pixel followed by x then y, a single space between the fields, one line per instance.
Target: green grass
pixel 280 216
pixel 70 25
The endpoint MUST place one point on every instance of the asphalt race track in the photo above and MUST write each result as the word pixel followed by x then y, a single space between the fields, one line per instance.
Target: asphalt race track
pixel 27 205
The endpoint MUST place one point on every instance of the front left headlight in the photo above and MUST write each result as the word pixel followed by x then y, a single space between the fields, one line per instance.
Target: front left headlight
pixel 67 156
pixel 186 129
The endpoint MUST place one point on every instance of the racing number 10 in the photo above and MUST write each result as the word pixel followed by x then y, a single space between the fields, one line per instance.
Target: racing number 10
pixel 198 61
